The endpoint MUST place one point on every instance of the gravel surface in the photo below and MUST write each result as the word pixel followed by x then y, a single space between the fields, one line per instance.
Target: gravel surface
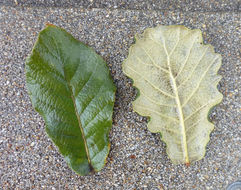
pixel 183 5
pixel 137 160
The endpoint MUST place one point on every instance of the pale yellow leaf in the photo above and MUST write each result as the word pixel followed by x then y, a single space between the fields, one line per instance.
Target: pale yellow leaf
pixel 176 75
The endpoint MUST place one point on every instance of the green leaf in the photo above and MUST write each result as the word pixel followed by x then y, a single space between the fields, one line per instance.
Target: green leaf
pixel 70 86
pixel 177 78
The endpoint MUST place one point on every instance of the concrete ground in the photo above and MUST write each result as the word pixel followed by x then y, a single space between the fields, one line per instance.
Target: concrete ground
pixel 137 160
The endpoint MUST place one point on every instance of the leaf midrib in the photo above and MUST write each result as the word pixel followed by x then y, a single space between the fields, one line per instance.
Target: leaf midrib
pixel 75 108
pixel 81 128
pixel 179 107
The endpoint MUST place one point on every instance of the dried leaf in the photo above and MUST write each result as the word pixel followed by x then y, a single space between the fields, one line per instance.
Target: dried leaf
pixel 177 78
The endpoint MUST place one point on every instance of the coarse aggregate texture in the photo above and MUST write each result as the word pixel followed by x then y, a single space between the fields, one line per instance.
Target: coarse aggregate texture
pixel 137 159
pixel 184 5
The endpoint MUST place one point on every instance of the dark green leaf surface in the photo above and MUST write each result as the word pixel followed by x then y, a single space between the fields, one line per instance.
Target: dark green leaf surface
pixel 70 86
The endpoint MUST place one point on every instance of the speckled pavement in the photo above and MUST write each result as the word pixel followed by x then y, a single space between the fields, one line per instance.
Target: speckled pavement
pixel 137 160
pixel 184 5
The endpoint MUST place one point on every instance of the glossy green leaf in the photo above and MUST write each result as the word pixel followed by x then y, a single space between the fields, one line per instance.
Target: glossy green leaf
pixel 70 86
pixel 177 78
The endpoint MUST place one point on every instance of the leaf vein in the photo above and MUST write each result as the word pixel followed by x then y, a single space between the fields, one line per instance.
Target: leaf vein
pixel 185 62
pixel 158 113
pixel 193 125
pixel 200 81
pixel 193 69
pixel 77 94
pixel 197 110
pixel 153 62
pixel 93 118
pixel 154 102
pixel 158 89
pixel 92 98
pixel 158 67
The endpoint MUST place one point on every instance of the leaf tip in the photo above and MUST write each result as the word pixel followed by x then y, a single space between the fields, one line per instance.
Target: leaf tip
pixel 51 25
